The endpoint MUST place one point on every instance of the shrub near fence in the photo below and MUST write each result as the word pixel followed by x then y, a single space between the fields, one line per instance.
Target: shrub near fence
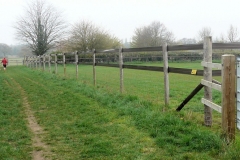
pixel 207 47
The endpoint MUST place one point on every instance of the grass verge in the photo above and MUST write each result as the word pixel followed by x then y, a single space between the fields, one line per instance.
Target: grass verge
pixel 84 123
pixel 15 138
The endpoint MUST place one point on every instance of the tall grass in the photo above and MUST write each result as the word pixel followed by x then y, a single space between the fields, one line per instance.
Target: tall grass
pixel 83 122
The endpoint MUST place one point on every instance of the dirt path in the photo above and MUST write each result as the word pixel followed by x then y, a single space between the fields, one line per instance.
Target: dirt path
pixel 40 149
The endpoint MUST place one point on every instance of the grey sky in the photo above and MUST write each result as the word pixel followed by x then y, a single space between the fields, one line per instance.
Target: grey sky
pixel 120 17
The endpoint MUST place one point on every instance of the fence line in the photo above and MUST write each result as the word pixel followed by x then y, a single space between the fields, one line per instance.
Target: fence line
pixel 144 49
pixel 228 86
pixel 228 79
pixel 13 62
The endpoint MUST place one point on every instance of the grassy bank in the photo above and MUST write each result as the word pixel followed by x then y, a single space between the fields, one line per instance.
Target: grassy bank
pixel 82 122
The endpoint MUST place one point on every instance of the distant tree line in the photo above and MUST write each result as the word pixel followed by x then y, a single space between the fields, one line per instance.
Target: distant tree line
pixel 14 50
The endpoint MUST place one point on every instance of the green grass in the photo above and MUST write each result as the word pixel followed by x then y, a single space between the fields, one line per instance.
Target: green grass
pixel 147 85
pixel 83 122
pixel 189 65
pixel 15 138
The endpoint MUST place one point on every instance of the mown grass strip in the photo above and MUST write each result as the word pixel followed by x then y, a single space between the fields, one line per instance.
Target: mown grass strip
pixel 15 138
pixel 79 128
pixel 84 123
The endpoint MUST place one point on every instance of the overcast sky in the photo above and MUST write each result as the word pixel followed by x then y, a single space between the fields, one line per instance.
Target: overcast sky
pixel 121 17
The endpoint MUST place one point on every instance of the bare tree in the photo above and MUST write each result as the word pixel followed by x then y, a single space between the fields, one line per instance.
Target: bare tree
pixel 152 35
pixel 86 36
pixel 25 51
pixel 233 34
pixel 4 49
pixel 142 37
pixel 206 31
pixel 40 27
pixel 186 41
pixel 221 39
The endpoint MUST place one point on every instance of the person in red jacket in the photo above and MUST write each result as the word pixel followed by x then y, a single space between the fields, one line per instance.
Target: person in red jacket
pixel 4 62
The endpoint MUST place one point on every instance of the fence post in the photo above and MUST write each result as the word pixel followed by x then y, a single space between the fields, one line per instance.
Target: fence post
pixel 228 97
pixel 36 61
pixel 44 62
pixel 49 63
pixel 39 65
pixel 64 64
pixel 166 77
pixel 94 67
pixel 207 73
pixel 24 60
pixel 25 63
pixel 121 69
pixel 55 63
pixel 30 61
pixel 76 59
pixel 33 62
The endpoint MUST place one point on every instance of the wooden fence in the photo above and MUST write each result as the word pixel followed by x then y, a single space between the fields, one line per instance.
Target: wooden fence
pixel 228 74
pixel 228 89
pixel 15 61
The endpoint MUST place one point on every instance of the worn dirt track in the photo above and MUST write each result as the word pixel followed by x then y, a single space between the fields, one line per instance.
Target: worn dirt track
pixel 40 150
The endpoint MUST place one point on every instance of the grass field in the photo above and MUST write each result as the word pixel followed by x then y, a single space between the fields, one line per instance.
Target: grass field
pixel 84 122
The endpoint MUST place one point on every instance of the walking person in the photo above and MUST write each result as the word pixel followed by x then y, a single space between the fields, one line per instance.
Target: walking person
pixel 4 62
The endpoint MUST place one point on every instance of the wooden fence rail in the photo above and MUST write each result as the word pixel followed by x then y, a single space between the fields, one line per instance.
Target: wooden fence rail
pixel 15 62
pixel 225 69
pixel 228 108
